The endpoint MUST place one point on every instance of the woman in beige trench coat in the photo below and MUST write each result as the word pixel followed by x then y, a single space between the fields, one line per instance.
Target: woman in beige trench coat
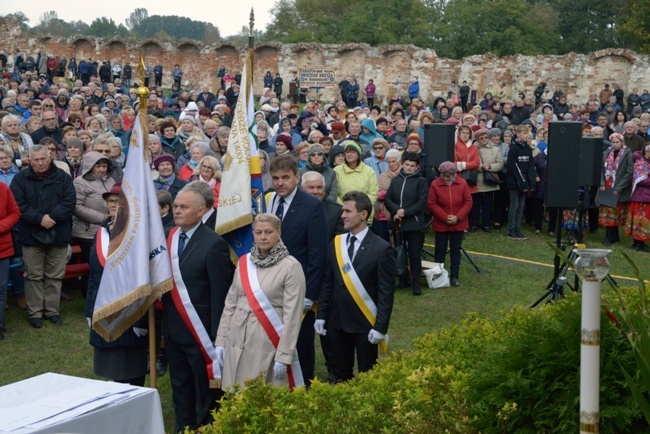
pixel 242 343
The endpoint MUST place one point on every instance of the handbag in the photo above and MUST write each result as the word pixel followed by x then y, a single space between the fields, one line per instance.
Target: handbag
pixel 401 259
pixel 470 176
pixel 490 178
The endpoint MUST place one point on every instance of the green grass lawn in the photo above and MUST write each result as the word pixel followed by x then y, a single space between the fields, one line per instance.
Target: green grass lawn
pixel 27 352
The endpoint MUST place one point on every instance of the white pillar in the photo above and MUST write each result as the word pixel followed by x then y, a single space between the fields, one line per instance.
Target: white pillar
pixel 590 357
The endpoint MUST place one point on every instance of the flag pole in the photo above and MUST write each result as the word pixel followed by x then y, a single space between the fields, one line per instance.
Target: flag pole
pixel 251 40
pixel 143 95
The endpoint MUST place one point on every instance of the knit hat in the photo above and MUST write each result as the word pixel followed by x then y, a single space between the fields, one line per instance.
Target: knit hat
pixel 267 108
pixel 115 189
pixel 187 117
pixel 447 167
pixel 480 132
pixel 336 150
pixel 161 159
pixel 354 145
pixel 286 139
pixel 508 133
pixel 494 132
pixel 74 142
pixel 169 113
pixel 337 126
pixel 415 137
pixel 313 149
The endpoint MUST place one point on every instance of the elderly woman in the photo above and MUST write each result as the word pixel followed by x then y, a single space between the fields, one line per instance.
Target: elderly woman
pixel 219 144
pixel 155 147
pixel 209 171
pixel 32 124
pixel 316 162
pixel 406 201
pixel 74 152
pixel 188 130
pixel 198 150
pixel 9 216
pixel 637 225
pixel 467 157
pixel 167 180
pixel 18 142
pixel 616 175
pixel 94 125
pixel 394 161
pixel 116 151
pixel 491 164
pixel 125 359
pixel 274 279
pixel 377 161
pixel 283 144
pixel 450 203
pixel 210 127
pixel 90 210
pixel 302 152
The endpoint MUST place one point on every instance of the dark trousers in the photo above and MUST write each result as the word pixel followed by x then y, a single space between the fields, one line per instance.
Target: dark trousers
pixel 371 101
pixel 552 219
pixel 85 79
pixel 481 207
pixel 536 211
pixel 305 347
pixel 463 103
pixel 516 211
pixel 501 203
pixel 414 242
pixel 454 240
pixel 192 398
pixel 85 246
pixel 327 352
pixel 158 80
pixel 345 345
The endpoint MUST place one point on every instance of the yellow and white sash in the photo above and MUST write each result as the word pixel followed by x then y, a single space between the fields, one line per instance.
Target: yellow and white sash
pixel 354 285
pixel 266 315
pixel 188 314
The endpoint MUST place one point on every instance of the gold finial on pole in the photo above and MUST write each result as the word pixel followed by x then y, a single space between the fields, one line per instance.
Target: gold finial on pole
pixel 143 92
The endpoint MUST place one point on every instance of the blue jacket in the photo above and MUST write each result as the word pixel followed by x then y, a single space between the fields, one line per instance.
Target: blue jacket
pixel 373 134
pixel 7 177
pixel 84 68
pixel 414 89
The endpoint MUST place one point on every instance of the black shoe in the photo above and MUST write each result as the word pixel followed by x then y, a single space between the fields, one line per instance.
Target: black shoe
pixel 56 320
pixel 417 291
pixel 161 362
pixel 472 229
pixel 607 242
pixel 487 229
pixel 521 236
pixel 455 282
pixel 36 323
pixel 512 235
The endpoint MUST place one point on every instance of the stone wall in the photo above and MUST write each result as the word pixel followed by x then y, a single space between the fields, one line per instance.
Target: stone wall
pixel 577 74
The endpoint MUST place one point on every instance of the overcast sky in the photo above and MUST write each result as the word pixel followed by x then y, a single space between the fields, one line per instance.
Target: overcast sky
pixel 228 16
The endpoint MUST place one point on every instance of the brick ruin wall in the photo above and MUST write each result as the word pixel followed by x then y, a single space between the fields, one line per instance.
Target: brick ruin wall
pixel 577 74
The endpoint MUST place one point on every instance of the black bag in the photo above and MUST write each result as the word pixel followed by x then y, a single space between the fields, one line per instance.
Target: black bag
pixel 401 256
pixel 470 176
pixel 491 178
pixel 44 236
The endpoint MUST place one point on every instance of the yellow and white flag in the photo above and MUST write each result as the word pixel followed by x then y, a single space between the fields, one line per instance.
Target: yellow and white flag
pixel 137 268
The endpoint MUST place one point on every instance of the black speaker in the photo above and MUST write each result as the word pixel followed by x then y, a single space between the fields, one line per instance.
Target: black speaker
pixel 591 161
pixel 439 143
pixel 563 165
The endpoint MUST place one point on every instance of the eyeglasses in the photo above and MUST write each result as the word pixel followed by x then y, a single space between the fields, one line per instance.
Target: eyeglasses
pixel 51 148
pixel 77 121
pixel 378 148
pixel 103 151
pixel 316 154
pixel 113 201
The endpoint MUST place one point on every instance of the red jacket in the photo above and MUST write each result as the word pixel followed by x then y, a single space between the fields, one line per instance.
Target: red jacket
pixel 445 200
pixel 470 157
pixel 9 216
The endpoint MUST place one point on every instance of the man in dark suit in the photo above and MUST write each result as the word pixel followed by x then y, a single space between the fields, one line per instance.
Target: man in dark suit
pixel 206 273
pixel 364 258
pixel 303 219
pixel 314 184
pixel 206 96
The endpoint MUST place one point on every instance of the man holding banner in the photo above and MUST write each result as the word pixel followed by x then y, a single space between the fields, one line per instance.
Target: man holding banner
pixel 356 302
pixel 202 273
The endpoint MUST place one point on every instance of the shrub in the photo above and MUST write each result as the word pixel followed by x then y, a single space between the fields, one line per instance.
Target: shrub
pixel 519 373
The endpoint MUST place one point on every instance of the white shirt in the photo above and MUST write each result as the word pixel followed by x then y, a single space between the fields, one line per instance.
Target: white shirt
pixel 207 215
pixel 287 202
pixel 360 236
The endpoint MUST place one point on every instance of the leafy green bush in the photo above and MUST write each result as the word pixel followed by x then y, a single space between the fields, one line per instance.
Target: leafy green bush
pixel 519 373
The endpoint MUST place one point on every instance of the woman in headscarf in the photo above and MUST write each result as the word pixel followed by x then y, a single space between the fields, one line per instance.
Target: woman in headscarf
pixel 316 162
pixel 617 173
pixel 450 202
pixel 274 279
pixel 638 219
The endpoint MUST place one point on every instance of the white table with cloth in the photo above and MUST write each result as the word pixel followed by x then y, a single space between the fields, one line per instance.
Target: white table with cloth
pixel 55 403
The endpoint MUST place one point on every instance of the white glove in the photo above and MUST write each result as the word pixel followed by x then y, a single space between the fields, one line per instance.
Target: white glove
pixel 308 305
pixel 280 371
pixel 220 353
pixel 89 321
pixel 139 332
pixel 374 337
pixel 319 326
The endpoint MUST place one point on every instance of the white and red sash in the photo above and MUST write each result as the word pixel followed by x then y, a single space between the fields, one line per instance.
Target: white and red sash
pixel 101 245
pixel 188 314
pixel 266 315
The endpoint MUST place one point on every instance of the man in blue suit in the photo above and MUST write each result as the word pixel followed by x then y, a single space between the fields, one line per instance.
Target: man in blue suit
pixel 304 232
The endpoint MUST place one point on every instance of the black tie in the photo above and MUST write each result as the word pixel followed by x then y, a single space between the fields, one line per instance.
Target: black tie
pixel 351 247
pixel 280 211
pixel 181 243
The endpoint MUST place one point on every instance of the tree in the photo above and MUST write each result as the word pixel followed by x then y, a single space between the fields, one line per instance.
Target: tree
pixel 136 18
pixel 20 18
pixel 635 25
pixel 242 36
pixel 106 28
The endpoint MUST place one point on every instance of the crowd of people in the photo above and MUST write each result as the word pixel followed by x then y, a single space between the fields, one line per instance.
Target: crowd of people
pixel 351 166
